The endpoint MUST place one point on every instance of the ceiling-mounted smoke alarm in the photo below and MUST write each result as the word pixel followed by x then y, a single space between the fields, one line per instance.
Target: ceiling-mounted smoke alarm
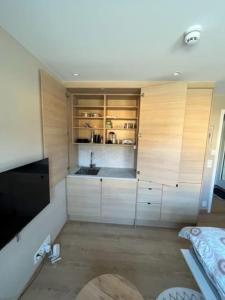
pixel 192 35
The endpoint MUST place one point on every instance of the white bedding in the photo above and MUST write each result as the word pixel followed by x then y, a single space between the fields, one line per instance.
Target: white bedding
pixel 209 245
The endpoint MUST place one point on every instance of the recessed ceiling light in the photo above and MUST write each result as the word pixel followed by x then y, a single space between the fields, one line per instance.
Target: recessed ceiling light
pixel 76 74
pixel 177 73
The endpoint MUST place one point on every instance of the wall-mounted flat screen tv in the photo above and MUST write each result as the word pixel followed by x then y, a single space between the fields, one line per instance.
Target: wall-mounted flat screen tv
pixel 24 192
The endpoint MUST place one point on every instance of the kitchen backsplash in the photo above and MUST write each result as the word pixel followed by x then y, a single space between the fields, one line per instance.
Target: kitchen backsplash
pixel 112 156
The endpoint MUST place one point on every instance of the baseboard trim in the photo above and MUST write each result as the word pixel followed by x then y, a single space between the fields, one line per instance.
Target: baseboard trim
pixel 118 221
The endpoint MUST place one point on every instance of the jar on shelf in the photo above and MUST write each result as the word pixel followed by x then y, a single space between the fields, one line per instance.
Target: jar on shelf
pixel 108 124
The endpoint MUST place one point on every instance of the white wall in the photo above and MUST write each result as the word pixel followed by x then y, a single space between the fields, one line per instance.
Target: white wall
pixel 20 143
pixel 217 106
pixel 112 156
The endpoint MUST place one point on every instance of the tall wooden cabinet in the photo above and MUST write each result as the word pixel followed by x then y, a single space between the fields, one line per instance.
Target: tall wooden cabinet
pixel 196 122
pixel 172 140
pixel 162 111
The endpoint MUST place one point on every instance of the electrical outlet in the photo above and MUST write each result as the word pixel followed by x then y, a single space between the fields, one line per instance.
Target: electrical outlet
pixel 39 255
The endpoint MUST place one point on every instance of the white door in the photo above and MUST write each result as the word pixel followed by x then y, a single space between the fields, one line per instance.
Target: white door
pixel 220 175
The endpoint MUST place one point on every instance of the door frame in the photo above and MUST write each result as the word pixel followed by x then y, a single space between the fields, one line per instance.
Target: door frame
pixel 215 165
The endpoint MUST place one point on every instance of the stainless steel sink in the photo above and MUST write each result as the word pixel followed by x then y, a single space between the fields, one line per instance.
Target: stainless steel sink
pixel 87 171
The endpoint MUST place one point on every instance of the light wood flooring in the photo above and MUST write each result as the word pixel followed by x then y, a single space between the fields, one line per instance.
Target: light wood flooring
pixel 217 217
pixel 148 257
pixel 218 205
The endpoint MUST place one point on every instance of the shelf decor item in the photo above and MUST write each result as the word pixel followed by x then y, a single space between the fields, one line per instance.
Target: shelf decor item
pixel 108 124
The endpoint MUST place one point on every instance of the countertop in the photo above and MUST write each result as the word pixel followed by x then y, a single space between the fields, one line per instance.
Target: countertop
pixel 109 172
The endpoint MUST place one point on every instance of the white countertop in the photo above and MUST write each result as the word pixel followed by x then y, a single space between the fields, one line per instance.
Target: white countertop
pixel 108 172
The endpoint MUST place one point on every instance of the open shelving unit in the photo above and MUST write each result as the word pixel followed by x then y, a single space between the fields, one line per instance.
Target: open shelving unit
pixel 101 114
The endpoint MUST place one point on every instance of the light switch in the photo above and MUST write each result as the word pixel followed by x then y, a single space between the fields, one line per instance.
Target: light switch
pixel 209 163
pixel 213 152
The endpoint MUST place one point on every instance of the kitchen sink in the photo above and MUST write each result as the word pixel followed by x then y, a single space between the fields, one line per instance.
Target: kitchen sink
pixel 87 171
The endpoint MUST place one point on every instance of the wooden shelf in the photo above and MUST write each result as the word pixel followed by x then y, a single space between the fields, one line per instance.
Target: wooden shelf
pixel 121 118
pixel 121 107
pixel 121 128
pixel 88 118
pixel 124 107
pixel 88 128
pixel 89 107
pixel 98 144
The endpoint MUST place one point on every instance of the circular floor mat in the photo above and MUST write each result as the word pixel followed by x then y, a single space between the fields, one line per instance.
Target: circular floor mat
pixel 179 293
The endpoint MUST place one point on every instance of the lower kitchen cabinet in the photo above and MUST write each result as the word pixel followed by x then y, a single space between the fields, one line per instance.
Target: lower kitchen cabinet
pixel 84 198
pixel 113 200
pixel 180 204
pixel 106 200
pixel 147 212
pixel 118 200
pixel 148 208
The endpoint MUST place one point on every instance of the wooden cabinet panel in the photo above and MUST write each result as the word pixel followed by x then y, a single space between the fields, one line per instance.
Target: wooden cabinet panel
pixel 118 198
pixel 160 132
pixel 147 212
pixel 149 185
pixel 196 124
pixel 180 204
pixel 152 196
pixel 54 126
pixel 84 196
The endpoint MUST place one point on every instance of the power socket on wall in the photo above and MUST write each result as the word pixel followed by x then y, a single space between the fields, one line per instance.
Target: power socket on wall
pixel 40 254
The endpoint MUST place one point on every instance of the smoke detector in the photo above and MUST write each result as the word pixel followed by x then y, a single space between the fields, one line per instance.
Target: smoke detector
pixel 192 35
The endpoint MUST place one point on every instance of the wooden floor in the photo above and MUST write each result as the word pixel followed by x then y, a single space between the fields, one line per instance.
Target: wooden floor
pixel 149 257
pixel 218 205
pixel 217 217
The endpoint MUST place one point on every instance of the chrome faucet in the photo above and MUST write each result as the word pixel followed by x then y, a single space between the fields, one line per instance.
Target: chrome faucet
pixel 91 161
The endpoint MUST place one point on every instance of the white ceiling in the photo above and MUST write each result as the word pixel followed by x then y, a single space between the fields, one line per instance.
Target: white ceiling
pixel 120 39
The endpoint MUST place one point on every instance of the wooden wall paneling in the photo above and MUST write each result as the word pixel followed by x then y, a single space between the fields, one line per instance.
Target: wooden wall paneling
pixel 73 149
pixel 161 123
pixel 196 125
pixel 54 126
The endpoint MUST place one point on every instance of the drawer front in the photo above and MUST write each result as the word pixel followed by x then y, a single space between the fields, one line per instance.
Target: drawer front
pixel 149 185
pixel 148 212
pixel 153 196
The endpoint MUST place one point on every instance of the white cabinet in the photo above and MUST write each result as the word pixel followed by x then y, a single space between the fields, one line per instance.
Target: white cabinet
pixel 118 200
pixel 180 204
pixel 84 198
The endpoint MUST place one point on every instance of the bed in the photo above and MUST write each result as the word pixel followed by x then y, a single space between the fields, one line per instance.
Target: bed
pixel 206 259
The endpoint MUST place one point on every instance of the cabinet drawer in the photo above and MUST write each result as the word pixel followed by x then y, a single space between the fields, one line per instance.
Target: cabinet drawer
pixel 148 212
pixel 153 196
pixel 149 185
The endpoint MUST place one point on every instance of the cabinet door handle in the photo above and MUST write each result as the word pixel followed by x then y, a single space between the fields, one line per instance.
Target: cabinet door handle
pixel 149 203
pixel 101 179
pixel 150 189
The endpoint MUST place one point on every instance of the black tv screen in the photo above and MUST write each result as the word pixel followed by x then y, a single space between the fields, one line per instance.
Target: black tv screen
pixel 24 192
